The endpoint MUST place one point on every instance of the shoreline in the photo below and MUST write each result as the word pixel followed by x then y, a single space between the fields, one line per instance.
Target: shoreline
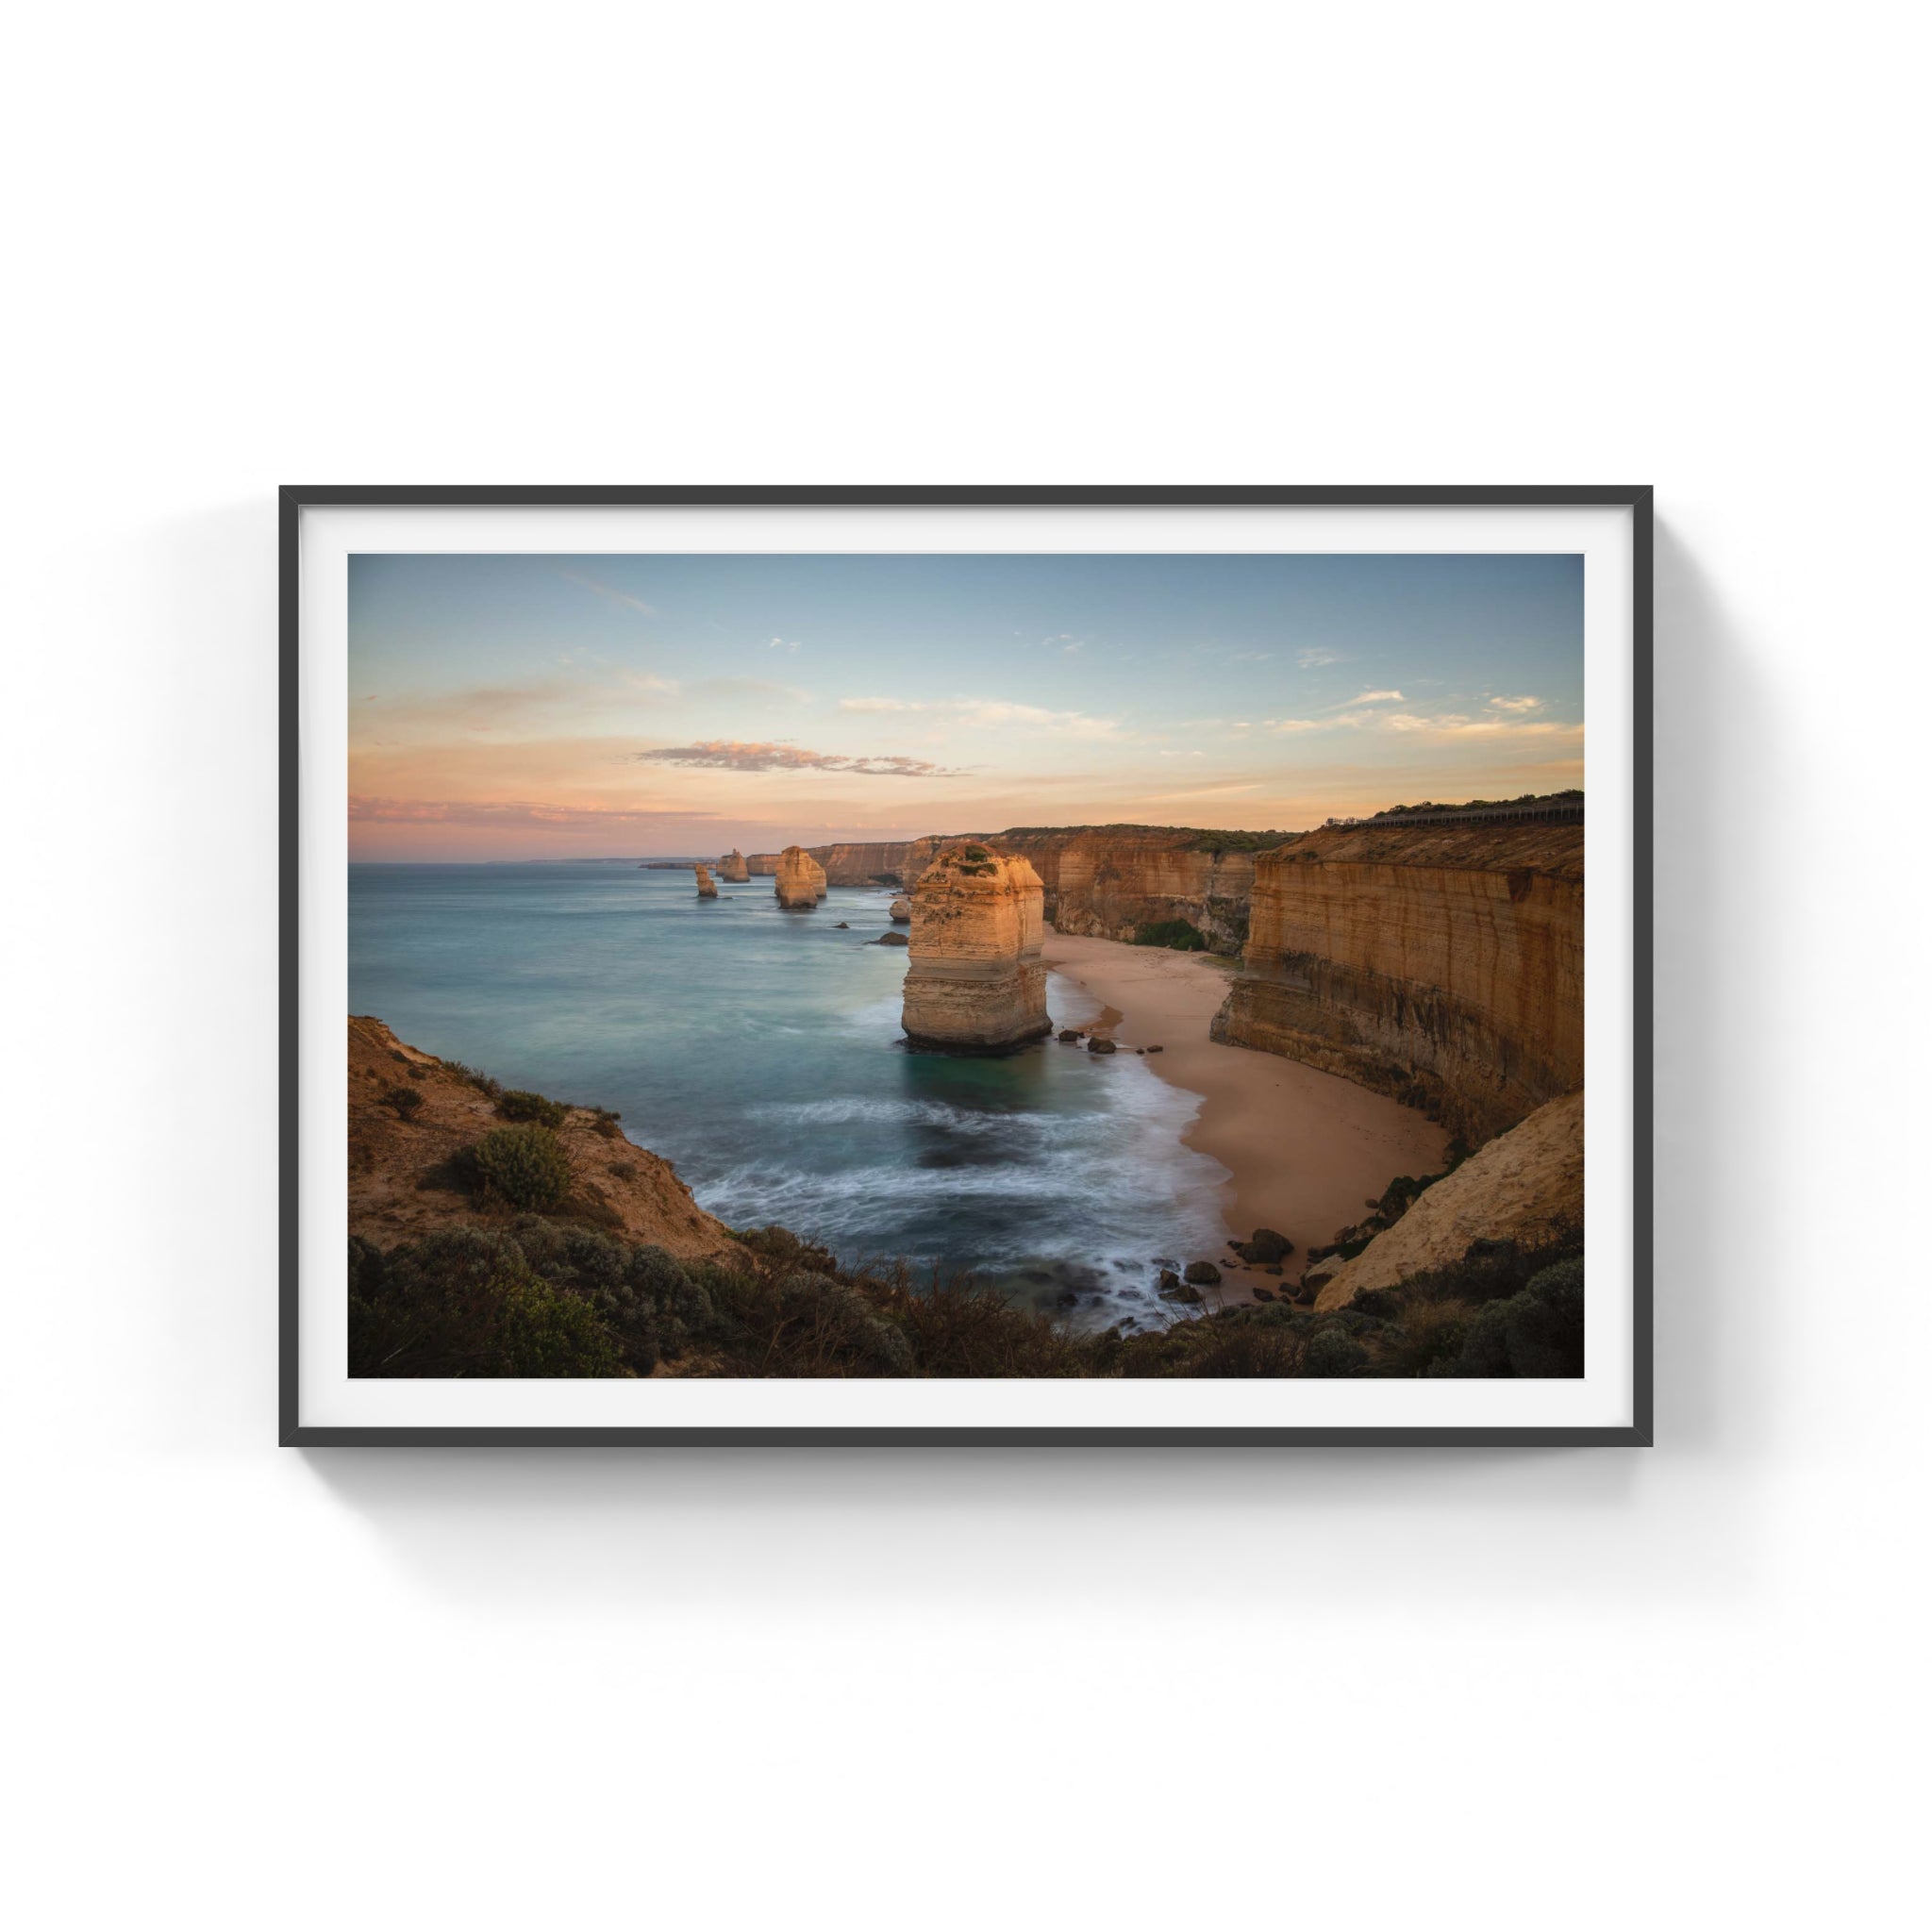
pixel 1306 1151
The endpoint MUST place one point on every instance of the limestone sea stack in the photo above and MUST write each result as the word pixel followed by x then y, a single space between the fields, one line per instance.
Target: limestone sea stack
pixel 902 911
pixel 732 868
pixel 974 981
pixel 800 880
pixel 707 887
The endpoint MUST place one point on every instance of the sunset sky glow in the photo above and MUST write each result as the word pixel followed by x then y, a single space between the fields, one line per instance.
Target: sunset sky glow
pixel 524 706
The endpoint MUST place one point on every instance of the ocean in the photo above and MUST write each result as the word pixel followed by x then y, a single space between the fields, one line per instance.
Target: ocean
pixel 759 1051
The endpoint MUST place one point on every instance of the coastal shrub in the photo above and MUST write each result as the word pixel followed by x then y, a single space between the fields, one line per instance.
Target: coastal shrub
pixel 833 1324
pixel 404 1100
pixel 515 1104
pixel 642 1294
pixel 623 1170
pixel 959 1328
pixel 1332 1352
pixel 1383 1304
pixel 466 1304
pixel 1176 935
pixel 1536 1332
pixel 790 1251
pixel 1242 1351
pixel 480 1080
pixel 524 1166
pixel 1217 842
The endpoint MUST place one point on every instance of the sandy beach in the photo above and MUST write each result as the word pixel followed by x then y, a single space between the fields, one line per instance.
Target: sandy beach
pixel 1304 1151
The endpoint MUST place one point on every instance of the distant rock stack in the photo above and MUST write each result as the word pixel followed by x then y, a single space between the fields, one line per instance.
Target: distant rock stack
pixel 732 868
pixel 902 911
pixel 708 888
pixel 974 981
pixel 800 880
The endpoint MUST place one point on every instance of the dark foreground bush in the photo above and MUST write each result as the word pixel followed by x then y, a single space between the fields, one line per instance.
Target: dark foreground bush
pixel 517 1103
pixel 1535 1333
pixel 524 1166
pixel 466 1303
pixel 963 1328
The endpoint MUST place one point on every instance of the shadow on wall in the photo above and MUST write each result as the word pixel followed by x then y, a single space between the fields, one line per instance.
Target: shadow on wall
pixel 1510 1529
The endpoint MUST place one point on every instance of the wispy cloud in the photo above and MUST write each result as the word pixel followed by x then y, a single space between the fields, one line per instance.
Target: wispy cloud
pixel 610 592
pixel 1452 725
pixel 783 644
pixel 732 756
pixel 1377 697
pixel 1439 725
pixel 1516 705
pixel 1316 656
pixel 993 712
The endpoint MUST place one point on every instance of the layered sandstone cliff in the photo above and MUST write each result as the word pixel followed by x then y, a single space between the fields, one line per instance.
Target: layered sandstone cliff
pixel 974 981
pixel 731 868
pixel 1108 881
pixel 1443 964
pixel 1527 1186
pixel 708 888
pixel 1099 881
pixel 884 864
pixel 800 880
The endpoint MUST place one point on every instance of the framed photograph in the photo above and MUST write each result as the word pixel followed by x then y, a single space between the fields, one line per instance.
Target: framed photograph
pixel 966 965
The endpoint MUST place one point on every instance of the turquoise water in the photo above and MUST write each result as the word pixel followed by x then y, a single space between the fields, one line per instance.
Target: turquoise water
pixel 759 1051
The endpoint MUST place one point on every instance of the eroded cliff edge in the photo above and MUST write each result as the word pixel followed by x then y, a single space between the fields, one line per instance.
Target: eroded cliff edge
pixel 413 1118
pixel 1442 964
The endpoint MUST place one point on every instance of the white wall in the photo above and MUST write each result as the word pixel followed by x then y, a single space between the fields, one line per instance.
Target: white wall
pixel 934 1691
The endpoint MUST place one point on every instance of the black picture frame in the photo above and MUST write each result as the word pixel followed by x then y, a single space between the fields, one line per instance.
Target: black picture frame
pixel 1635 499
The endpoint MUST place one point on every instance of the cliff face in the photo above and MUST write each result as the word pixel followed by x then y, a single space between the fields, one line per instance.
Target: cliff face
pixel 1439 964
pixel 974 980
pixel 708 888
pixel 1525 1186
pixel 1101 882
pixel 401 1178
pixel 731 868
pixel 868 865
pixel 800 880
pixel 1106 882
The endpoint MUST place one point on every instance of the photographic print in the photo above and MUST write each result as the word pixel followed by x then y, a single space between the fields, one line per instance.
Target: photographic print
pixel 924 968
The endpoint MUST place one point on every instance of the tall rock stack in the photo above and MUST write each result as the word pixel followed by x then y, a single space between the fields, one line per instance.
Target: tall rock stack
pixel 800 880
pixel 708 888
pixel 732 868
pixel 974 981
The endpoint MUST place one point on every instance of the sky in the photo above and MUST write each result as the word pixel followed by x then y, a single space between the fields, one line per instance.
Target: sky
pixel 522 707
